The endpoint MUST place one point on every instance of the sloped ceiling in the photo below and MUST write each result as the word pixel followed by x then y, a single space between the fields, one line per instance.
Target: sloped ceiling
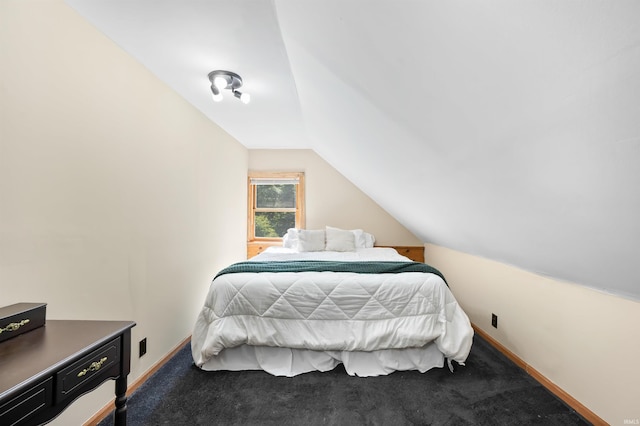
pixel 506 129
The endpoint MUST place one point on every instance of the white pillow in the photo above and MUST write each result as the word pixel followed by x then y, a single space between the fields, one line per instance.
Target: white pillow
pixel 311 240
pixel 290 239
pixel 369 240
pixel 339 240
pixel 363 239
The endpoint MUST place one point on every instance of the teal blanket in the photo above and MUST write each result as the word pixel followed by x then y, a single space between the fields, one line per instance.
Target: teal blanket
pixel 377 267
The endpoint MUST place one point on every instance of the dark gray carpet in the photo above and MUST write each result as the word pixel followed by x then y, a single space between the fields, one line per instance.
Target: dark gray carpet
pixel 488 390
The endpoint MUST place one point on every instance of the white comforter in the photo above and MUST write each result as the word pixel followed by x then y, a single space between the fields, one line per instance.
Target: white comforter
pixel 331 311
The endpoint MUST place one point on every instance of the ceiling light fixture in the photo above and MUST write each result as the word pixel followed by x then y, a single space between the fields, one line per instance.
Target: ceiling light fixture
pixel 221 80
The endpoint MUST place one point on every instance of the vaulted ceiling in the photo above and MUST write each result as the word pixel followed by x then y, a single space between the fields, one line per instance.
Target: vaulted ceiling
pixel 507 129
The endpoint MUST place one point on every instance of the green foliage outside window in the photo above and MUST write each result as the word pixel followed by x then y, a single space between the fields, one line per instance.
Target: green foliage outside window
pixel 274 224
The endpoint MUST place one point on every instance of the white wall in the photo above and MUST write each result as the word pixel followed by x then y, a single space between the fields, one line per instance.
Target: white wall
pixel 584 341
pixel 118 200
pixel 331 199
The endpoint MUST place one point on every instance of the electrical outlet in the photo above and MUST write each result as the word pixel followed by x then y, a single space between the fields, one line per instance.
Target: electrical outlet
pixel 494 320
pixel 143 347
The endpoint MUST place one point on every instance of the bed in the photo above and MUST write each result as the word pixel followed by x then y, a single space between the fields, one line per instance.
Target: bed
pixel 290 310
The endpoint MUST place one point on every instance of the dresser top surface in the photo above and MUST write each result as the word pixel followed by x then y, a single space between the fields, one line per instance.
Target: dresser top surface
pixel 34 355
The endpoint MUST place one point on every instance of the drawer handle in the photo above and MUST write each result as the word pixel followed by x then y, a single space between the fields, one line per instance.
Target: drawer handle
pixel 14 325
pixel 95 366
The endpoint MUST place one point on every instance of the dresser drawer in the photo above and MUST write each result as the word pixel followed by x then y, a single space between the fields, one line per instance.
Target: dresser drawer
pixel 254 249
pixel 27 404
pixel 99 365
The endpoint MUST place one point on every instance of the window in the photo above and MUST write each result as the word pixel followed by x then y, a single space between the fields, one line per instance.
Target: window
pixel 276 203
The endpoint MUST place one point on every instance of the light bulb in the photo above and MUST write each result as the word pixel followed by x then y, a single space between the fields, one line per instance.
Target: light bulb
pixel 220 82
pixel 245 98
pixel 217 96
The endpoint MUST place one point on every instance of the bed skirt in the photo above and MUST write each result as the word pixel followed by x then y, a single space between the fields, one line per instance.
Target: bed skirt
pixel 291 362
